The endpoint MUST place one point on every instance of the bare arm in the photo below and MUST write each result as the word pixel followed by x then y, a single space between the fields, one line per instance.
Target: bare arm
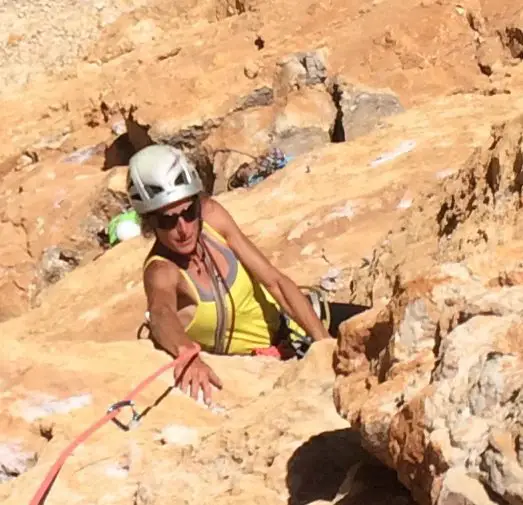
pixel 281 287
pixel 160 282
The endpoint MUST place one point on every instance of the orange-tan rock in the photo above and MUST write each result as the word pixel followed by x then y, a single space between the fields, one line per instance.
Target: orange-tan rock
pixel 403 125
pixel 431 378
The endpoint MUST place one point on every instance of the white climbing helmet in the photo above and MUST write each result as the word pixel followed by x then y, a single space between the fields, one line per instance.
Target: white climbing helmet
pixel 158 176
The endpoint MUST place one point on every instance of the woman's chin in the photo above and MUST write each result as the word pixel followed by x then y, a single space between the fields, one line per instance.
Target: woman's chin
pixel 186 247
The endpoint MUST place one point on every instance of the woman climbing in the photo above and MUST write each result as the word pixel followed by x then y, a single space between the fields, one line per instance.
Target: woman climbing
pixel 205 281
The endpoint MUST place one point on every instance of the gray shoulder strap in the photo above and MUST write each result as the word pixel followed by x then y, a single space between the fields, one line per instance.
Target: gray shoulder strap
pixel 220 292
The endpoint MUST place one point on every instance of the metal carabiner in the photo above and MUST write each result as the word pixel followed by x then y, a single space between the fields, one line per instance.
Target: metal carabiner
pixel 119 405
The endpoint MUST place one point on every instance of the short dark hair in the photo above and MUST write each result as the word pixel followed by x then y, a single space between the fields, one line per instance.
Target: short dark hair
pixel 147 222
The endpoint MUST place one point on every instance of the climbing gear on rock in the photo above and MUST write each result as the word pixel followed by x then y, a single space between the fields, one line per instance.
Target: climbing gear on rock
pixel 292 337
pixel 119 405
pixel 301 342
pixel 124 226
pixel 250 174
pixel 318 298
pixel 287 346
pixel 160 175
pixel 112 412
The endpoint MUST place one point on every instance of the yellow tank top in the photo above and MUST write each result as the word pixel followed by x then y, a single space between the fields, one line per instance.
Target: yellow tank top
pixel 256 314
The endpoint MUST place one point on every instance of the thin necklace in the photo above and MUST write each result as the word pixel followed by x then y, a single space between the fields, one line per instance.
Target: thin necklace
pixel 200 257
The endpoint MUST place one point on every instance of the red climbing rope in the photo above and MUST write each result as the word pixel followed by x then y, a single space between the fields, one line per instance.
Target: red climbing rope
pixel 112 412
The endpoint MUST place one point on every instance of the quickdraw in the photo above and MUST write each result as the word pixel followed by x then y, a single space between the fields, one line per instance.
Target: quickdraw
pixel 112 412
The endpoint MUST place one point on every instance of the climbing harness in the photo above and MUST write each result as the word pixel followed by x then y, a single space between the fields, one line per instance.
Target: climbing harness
pixel 287 347
pixel 250 174
pixel 301 342
pixel 112 412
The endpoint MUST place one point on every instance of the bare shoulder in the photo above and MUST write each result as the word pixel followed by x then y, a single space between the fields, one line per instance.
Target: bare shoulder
pixel 161 276
pixel 215 214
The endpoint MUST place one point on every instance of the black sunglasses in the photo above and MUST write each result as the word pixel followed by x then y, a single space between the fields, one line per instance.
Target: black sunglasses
pixel 169 221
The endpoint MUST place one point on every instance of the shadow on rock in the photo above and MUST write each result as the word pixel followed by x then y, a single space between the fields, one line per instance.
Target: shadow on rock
pixel 333 467
pixel 119 152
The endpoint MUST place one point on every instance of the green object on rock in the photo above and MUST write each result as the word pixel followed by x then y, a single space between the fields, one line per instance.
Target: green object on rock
pixel 124 226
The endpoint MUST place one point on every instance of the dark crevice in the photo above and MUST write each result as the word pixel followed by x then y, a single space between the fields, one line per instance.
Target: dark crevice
pixel 493 355
pixel 8 473
pixel 169 54
pixel 472 205
pixel 436 351
pixel 464 316
pixel 437 341
pixel 473 22
pixel 381 334
pixel 493 175
pixel 46 432
pixel 99 114
pixel 337 133
pixel 259 43
pixel 495 141
pixel 396 284
pixel 106 111
pixel 240 6
pixel 482 234
pixel 447 219
pixel 518 169
pixel 69 257
pixel 103 239
pixel 118 153
pixel 513 397
pixel 514 42
pixel 205 167
pixel 485 69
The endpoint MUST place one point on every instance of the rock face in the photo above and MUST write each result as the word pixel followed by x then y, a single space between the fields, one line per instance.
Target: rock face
pixel 360 111
pixel 259 443
pixel 472 211
pixel 52 218
pixel 29 48
pixel 403 124
pixel 431 375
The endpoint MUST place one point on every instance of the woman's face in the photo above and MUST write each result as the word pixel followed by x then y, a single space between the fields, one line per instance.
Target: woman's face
pixel 178 225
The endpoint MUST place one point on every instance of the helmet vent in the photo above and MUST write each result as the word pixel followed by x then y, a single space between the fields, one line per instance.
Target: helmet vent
pixel 153 190
pixel 181 179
